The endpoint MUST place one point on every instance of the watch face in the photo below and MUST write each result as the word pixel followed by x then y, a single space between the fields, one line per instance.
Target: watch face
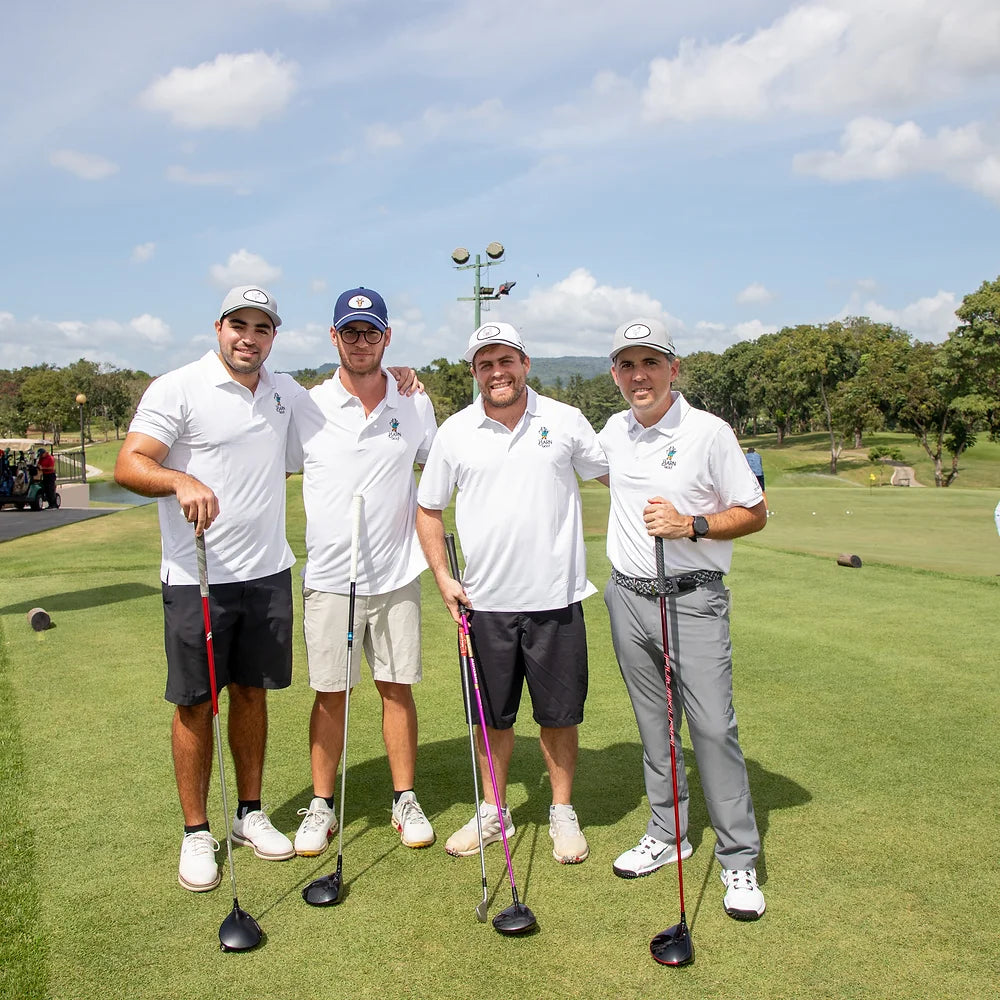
pixel 700 526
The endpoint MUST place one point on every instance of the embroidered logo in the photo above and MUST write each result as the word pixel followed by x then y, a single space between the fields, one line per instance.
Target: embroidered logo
pixel 543 438
pixel 277 403
pixel 394 434
pixel 668 462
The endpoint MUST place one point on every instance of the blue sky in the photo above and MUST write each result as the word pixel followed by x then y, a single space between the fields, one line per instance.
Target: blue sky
pixel 731 168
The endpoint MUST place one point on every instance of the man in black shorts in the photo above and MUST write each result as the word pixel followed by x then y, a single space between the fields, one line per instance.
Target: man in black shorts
pixel 208 439
pixel 514 457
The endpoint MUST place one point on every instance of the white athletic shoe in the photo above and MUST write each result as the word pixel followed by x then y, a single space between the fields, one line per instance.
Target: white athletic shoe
pixel 569 845
pixel 648 855
pixel 198 870
pixel 411 824
pixel 465 841
pixel 319 823
pixel 743 899
pixel 256 830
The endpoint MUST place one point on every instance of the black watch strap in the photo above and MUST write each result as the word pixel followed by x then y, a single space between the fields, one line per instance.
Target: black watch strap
pixel 700 527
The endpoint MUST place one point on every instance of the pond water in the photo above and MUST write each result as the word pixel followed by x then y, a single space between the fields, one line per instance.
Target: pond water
pixel 109 491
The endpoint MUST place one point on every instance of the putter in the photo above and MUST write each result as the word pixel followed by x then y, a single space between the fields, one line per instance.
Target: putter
pixel 672 946
pixel 326 890
pixel 516 918
pixel 463 666
pixel 239 931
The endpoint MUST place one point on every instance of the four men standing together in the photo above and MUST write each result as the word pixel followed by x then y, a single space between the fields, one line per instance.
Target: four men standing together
pixel 213 441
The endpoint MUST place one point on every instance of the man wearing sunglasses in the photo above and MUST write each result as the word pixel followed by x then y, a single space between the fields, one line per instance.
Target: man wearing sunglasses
pixel 355 434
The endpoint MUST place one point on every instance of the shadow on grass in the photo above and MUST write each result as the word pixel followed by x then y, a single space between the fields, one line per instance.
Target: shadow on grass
pixel 80 600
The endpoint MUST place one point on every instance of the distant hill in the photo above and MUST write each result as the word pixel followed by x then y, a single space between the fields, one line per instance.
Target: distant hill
pixel 546 370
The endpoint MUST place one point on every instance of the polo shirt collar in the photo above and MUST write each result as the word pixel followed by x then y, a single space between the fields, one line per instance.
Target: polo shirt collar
pixel 530 410
pixel 219 374
pixel 668 423
pixel 344 398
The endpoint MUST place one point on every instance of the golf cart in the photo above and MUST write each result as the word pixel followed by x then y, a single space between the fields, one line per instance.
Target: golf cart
pixel 20 482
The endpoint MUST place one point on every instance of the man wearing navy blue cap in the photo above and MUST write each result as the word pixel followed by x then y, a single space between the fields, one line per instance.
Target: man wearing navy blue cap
pixel 355 434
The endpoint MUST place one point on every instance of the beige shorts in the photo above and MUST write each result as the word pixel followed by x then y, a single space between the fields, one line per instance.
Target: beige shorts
pixel 386 626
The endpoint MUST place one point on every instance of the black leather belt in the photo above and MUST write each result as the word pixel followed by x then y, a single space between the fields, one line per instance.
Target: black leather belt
pixel 645 587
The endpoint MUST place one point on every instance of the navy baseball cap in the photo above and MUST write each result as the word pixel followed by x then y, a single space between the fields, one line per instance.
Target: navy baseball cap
pixel 363 304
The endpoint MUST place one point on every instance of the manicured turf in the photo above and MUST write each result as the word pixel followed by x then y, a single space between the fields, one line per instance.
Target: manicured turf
pixel 867 701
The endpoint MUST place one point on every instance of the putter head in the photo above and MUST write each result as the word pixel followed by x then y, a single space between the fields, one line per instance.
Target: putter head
pixel 673 946
pixel 516 919
pixel 325 891
pixel 239 931
pixel 481 911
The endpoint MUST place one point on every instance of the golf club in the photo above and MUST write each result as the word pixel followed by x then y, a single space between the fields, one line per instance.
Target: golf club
pixel 672 946
pixel 463 666
pixel 516 918
pixel 239 931
pixel 325 891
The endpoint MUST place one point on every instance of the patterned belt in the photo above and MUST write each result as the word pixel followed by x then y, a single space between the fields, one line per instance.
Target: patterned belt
pixel 645 587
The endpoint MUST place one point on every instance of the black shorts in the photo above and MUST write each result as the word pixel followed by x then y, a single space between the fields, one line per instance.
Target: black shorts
pixel 548 649
pixel 251 637
pixel 760 479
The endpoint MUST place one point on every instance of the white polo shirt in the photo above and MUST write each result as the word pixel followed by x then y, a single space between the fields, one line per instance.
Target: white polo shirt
pixel 689 457
pixel 341 452
pixel 233 441
pixel 518 509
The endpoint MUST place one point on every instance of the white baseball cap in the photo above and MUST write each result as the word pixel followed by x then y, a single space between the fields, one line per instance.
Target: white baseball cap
pixel 493 333
pixel 643 332
pixel 250 297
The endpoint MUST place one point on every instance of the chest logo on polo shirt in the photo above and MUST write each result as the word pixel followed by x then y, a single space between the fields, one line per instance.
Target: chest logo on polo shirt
pixel 543 438
pixel 668 462
pixel 278 404
pixel 394 434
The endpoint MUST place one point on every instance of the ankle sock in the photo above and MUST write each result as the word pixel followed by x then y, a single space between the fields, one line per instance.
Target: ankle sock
pixel 246 806
pixel 396 795
pixel 197 829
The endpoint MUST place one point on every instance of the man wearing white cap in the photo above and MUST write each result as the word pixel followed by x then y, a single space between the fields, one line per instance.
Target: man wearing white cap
pixel 356 434
pixel 679 473
pixel 208 439
pixel 514 457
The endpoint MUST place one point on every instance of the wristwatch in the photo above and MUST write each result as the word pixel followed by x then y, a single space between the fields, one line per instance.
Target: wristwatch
pixel 699 526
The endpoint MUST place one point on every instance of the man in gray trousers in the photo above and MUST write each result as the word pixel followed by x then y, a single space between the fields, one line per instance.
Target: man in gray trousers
pixel 679 473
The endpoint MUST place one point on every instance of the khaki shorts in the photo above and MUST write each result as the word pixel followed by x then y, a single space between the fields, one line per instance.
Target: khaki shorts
pixel 386 626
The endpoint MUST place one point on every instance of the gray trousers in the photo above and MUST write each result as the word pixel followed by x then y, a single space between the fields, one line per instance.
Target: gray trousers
pixel 701 666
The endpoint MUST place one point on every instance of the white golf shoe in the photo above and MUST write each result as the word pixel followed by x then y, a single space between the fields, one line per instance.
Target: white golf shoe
pixel 319 823
pixel 465 841
pixel 569 845
pixel 411 824
pixel 743 899
pixel 198 870
pixel 255 829
pixel 647 856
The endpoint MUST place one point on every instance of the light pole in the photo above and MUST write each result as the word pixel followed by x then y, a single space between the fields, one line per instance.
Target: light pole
pixel 81 401
pixel 481 293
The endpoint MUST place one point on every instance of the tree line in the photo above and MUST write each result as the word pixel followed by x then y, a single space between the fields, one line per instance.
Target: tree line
pixel 850 378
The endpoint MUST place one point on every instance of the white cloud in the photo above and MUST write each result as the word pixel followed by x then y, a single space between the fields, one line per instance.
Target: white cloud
pixel 61 342
pixel 308 347
pixel 716 337
pixel 828 56
pixel 209 178
pixel 929 318
pixel 232 91
pixel 87 166
pixel 755 292
pixel 318 286
pixel 381 136
pixel 142 252
pixel 874 149
pixel 244 268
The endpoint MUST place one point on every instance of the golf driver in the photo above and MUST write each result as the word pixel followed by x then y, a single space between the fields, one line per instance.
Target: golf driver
pixel 325 891
pixel 672 946
pixel 517 918
pixel 239 931
pixel 463 666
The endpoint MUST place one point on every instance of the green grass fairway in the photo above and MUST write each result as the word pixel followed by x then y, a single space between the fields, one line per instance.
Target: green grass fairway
pixel 867 702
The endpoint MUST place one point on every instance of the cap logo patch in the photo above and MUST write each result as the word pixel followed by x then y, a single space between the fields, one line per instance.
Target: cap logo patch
pixel 361 302
pixel 488 333
pixel 255 295
pixel 637 331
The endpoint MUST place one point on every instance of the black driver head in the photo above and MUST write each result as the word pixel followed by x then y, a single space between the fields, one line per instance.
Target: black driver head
pixel 239 931
pixel 516 919
pixel 673 946
pixel 325 891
